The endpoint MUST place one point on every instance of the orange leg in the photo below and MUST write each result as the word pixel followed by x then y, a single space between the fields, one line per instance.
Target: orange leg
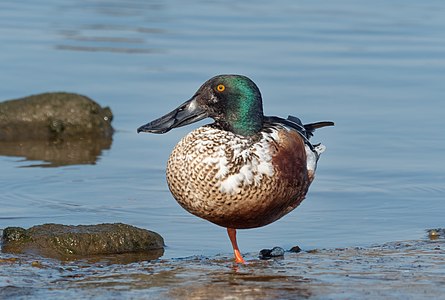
pixel 232 237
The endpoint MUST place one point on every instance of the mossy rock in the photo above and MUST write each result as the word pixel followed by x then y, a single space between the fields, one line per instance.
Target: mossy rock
pixel 67 241
pixel 53 115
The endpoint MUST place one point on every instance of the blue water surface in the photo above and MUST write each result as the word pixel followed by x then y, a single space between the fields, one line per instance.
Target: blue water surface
pixel 376 68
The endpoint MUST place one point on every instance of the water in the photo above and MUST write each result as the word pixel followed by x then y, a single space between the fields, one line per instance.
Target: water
pixel 376 69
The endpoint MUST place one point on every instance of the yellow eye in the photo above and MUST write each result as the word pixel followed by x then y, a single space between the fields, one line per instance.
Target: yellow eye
pixel 220 88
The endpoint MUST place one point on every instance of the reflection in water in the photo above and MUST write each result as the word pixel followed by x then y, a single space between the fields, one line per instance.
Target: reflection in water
pixel 219 285
pixel 57 152
pixel 123 258
pixel 106 49
pixel 117 27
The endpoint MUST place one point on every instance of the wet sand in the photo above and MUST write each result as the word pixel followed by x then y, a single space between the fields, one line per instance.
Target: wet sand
pixel 396 270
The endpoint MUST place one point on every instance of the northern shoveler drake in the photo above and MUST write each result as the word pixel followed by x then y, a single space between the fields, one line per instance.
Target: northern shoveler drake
pixel 245 170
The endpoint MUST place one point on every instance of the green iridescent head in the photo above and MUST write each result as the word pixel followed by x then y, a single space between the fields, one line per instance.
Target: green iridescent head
pixel 233 101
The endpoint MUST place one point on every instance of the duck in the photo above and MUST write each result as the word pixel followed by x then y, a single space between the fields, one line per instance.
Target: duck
pixel 244 170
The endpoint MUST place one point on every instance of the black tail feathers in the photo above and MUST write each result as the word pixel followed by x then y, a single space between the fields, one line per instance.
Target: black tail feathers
pixel 306 130
pixel 310 128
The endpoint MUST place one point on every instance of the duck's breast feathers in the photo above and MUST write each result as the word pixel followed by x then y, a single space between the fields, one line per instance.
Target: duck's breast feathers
pixel 239 181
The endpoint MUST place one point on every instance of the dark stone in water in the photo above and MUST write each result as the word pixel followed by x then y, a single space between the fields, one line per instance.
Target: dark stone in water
pixel 72 242
pixel 53 115
pixel 270 253
pixel 295 249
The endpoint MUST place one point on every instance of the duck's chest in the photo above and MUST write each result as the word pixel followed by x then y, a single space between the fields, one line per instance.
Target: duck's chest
pixel 236 181
pixel 220 160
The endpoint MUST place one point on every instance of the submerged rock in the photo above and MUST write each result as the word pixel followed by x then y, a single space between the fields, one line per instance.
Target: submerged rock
pixel 53 115
pixel 68 242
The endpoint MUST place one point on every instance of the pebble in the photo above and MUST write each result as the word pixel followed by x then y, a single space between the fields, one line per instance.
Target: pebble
pixel 270 253
pixel 295 249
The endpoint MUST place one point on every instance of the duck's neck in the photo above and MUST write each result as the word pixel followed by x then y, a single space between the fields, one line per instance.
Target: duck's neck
pixel 245 115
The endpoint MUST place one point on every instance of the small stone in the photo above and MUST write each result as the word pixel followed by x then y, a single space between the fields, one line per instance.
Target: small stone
pixel 270 253
pixel 433 234
pixel 265 254
pixel 37 264
pixel 295 249
pixel 277 252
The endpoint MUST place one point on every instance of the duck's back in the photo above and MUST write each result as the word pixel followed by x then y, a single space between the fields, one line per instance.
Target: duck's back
pixel 241 182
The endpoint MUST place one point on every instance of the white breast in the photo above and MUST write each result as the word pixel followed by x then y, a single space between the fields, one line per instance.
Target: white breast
pixel 239 161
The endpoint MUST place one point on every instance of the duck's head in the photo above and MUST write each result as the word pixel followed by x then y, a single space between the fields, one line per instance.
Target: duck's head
pixel 233 101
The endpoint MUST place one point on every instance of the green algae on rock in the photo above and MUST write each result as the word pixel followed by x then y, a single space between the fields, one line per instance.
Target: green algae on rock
pixel 73 242
pixel 53 115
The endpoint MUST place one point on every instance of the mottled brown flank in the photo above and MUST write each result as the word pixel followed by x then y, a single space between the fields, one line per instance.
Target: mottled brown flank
pixel 196 188
pixel 290 165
